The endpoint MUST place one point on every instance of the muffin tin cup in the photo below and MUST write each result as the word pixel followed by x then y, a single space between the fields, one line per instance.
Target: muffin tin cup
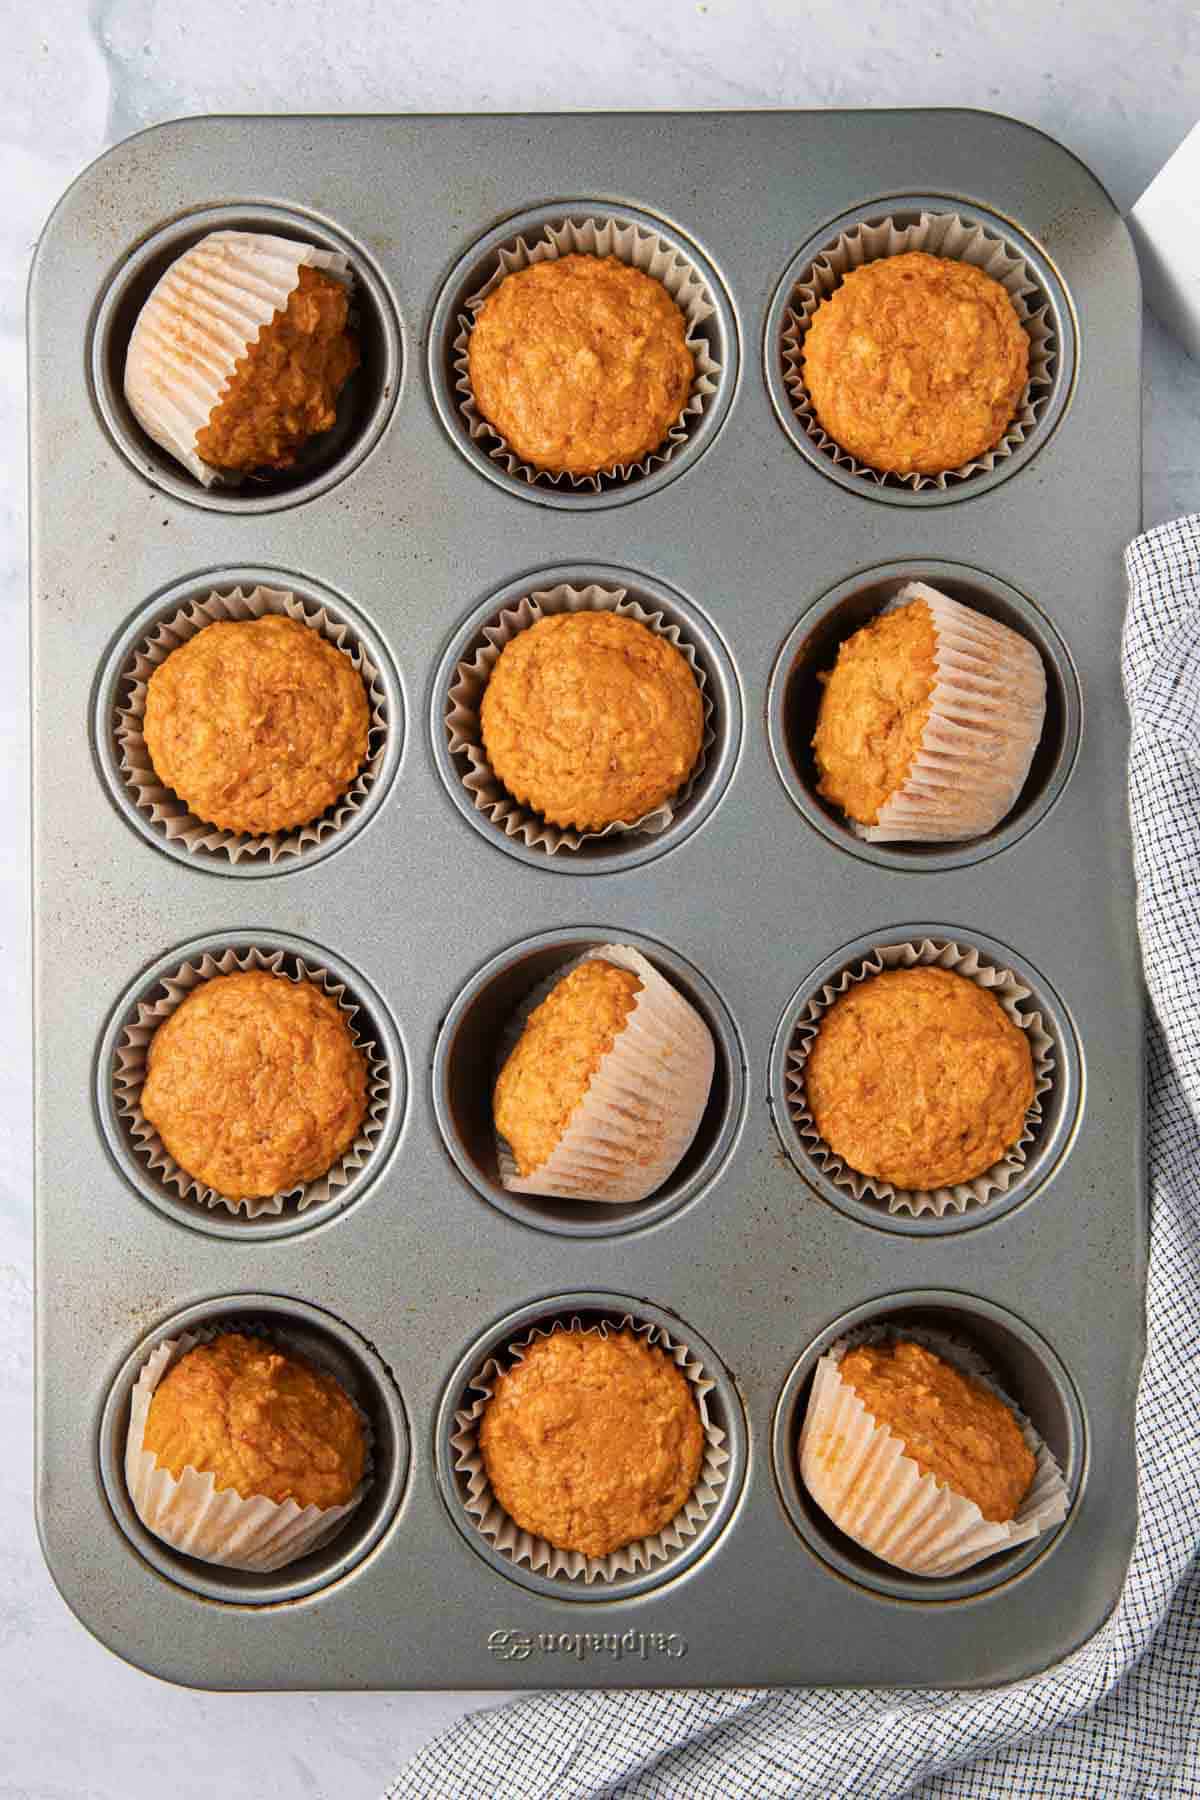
pixel 532 1561
pixel 979 961
pixel 643 1105
pixel 119 716
pixel 464 730
pixel 254 1534
pixel 858 1474
pixel 983 1340
pixel 587 228
pixel 467 665
pixel 365 403
pixel 330 1345
pixel 137 1147
pixel 963 233
pixel 479 1029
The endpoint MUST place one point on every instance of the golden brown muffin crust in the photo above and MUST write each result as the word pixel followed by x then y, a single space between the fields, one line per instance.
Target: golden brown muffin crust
pixel 592 1442
pixel 261 1422
pixel 919 1077
pixel 284 389
pixel 874 710
pixel 257 724
pixel 950 1425
pixel 915 364
pixel 591 719
pixel 552 1064
pixel 255 1083
pixel 580 363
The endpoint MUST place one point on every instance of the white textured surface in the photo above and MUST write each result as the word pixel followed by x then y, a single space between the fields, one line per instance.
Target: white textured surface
pixel 1120 85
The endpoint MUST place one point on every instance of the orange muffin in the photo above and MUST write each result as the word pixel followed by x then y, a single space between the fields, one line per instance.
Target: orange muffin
pixel 592 1441
pixel 918 1077
pixel 557 1054
pixel 259 1421
pixel 580 363
pixel 951 1426
pixel 257 724
pixel 255 1084
pixel 874 710
pixel 916 363
pixel 591 719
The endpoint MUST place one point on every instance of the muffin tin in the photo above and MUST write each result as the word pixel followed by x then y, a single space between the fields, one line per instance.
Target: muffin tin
pixel 763 554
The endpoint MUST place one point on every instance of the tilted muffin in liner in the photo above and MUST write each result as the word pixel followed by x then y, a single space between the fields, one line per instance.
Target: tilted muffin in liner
pixel 1011 993
pixel 220 1527
pixel 162 804
pixel 858 1474
pixel 600 235
pixel 129 1075
pixel 938 234
pixel 642 1106
pixel 543 1558
pixel 986 713
pixel 465 697
pixel 199 321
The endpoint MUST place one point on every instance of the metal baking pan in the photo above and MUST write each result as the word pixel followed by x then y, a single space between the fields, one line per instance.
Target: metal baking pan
pixel 439 924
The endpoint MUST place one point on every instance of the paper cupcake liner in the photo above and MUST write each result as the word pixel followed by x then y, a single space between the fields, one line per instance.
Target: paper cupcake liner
pixel 643 1105
pixel 858 1474
pixel 940 234
pixel 162 805
pixel 1003 984
pixel 199 321
pixel 986 713
pixel 519 1546
pixel 465 696
pixel 129 1075
pixel 221 1527
pixel 600 234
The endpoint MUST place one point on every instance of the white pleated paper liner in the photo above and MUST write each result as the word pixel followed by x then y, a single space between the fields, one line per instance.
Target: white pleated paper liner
pixel 1011 994
pixel 199 321
pixel 939 234
pixel 465 697
pixel 162 805
pixel 642 1106
pixel 129 1075
pixel 599 235
pixel 192 1516
pixel 986 713
pixel 858 1474
pixel 522 1547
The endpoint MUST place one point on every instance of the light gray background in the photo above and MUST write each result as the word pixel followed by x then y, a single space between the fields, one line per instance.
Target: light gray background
pixel 1120 85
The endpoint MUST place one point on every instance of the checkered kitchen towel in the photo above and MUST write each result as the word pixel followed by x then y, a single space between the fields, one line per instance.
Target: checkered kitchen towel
pixel 1122 1715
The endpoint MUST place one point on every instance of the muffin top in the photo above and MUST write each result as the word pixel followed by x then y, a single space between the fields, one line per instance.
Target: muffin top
pixel 915 364
pixel 951 1426
pixel 257 724
pixel 919 1078
pixel 580 363
pixel 591 719
pixel 255 1084
pixel 261 1422
pixel 284 389
pixel 592 1441
pixel 874 709
pixel 552 1064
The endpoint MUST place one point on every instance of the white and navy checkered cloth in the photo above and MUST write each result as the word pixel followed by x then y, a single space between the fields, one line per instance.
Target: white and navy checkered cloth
pixel 1119 1717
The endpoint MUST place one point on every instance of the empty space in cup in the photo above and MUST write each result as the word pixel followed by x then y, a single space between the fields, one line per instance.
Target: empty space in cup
pixel 1023 1366
pixel 335 1349
pixel 371 1024
pixel 811 650
pixel 364 404
pixel 598 854
pixel 466 1063
pixel 476 268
